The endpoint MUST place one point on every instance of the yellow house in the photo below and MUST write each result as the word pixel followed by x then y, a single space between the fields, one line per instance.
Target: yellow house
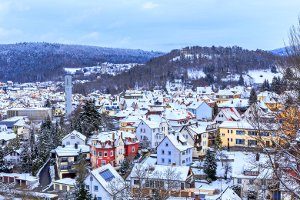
pixel 243 134
pixel 225 95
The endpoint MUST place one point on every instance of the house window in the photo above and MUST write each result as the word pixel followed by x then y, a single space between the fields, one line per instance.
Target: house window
pixel 162 160
pixel 111 153
pixel 169 152
pixel 72 137
pixel 103 162
pixel 133 149
pixel 167 144
pixel 228 131
pixel 91 178
pixel 95 188
pixel 87 187
pixel 183 161
pixel 251 181
pixel 239 181
pixel 136 182
pixel 105 154
pixel 240 141
pixel 99 198
pixel 163 152
pixel 95 153
pixel 240 132
pixel 100 154
pixel 182 186
pixel 169 161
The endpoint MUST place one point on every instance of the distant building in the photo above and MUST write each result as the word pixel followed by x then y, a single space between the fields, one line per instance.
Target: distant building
pixel 33 114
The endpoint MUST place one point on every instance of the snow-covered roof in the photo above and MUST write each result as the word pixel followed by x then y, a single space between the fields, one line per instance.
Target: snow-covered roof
pixel 180 173
pixel 77 134
pixel 65 181
pixel 178 141
pixel 71 150
pixel 107 175
pixel 236 124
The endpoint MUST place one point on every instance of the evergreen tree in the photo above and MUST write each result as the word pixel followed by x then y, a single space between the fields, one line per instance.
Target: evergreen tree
pixel 3 166
pixel 81 192
pixel 274 69
pixel 241 80
pixel 265 86
pixel 218 141
pixel 26 159
pixel 48 103
pixel 253 97
pixel 87 119
pixel 215 109
pixel 210 166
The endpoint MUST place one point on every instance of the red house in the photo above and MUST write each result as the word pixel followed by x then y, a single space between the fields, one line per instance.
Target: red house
pixel 131 145
pixel 112 147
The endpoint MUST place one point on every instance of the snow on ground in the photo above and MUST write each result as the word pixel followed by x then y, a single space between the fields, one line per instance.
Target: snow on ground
pixel 104 68
pixel 253 76
pixel 195 74
pixel 72 70
pixel 259 76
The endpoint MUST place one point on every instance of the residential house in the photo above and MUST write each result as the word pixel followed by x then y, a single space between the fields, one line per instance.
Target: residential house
pixel 174 150
pixel 227 114
pixel 104 183
pixel 201 110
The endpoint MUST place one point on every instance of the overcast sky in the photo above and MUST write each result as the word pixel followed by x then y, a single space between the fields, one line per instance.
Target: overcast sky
pixel 150 25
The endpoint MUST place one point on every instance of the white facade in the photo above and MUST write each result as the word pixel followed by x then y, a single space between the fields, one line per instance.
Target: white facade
pixel 100 186
pixel 174 150
pixel 201 110
pixel 74 138
pixel 151 131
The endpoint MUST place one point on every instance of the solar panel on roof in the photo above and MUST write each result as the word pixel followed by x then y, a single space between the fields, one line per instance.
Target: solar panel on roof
pixel 107 175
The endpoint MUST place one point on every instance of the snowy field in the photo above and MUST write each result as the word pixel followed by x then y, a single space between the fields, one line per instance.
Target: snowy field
pixel 259 76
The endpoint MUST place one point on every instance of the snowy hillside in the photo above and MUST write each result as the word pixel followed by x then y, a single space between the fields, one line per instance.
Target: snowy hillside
pixel 253 76
pixel 104 68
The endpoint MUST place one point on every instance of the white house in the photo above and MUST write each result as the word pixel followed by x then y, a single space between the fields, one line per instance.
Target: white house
pixel 104 183
pixel 73 138
pixel 151 133
pixel 174 150
pixel 227 114
pixel 201 110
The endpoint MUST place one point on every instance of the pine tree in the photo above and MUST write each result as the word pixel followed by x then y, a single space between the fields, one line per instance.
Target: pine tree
pixel 215 109
pixel 81 192
pixel 253 97
pixel 210 166
pixel 241 80
pixel 48 103
pixel 218 141
pixel 265 86
pixel 26 158
pixel 3 166
pixel 87 119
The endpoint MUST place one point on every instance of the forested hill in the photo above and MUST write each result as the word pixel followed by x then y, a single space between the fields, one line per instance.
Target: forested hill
pixel 44 61
pixel 198 65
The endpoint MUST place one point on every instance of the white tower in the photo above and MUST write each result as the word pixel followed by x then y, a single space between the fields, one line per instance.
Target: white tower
pixel 68 93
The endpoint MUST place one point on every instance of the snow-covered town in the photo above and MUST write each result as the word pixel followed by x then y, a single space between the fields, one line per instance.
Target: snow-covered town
pixel 172 143
pixel 149 100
